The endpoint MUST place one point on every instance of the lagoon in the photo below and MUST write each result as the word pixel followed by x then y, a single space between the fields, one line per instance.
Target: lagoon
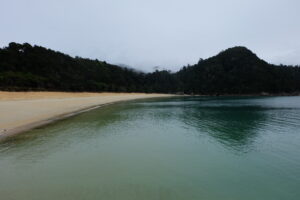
pixel 166 148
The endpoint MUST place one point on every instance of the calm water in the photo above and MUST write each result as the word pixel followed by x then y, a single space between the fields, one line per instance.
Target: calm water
pixel 175 148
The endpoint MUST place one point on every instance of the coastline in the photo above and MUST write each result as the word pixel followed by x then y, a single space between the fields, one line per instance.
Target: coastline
pixel 23 111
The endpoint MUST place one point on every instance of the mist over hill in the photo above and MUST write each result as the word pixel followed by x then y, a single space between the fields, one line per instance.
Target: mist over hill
pixel 234 71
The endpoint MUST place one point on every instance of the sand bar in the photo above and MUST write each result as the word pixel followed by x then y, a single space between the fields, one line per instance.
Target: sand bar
pixel 22 111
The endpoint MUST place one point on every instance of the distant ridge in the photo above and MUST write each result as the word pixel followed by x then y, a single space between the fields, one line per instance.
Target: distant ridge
pixel 236 70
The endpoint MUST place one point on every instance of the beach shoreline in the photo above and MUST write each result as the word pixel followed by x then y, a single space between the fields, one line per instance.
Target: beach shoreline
pixel 23 111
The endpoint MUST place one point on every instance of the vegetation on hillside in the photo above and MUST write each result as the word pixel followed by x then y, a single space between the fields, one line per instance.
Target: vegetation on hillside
pixel 239 71
pixel 234 71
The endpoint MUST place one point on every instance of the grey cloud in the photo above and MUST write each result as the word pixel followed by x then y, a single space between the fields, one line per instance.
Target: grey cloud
pixel 166 33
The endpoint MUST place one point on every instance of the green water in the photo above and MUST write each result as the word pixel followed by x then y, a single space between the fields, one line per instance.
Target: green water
pixel 206 148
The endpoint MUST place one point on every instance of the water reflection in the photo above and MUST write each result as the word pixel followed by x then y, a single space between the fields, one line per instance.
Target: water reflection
pixel 234 122
pixel 235 127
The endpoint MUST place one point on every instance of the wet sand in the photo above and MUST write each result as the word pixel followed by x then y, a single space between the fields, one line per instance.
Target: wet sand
pixel 22 111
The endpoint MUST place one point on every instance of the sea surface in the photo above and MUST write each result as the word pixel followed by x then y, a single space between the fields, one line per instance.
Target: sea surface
pixel 210 148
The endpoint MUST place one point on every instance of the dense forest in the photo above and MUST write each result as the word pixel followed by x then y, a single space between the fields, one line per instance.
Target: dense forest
pixel 238 71
pixel 234 71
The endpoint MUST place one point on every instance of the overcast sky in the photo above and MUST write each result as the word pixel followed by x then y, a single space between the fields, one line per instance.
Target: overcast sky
pixel 148 33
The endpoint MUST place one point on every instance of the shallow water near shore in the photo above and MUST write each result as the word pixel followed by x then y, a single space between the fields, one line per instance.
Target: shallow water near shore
pixel 168 148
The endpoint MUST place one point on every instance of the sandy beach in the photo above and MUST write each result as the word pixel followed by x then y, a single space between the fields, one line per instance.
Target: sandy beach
pixel 22 111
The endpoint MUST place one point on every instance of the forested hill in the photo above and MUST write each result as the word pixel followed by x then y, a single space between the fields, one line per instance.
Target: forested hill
pixel 26 67
pixel 234 71
pixel 239 71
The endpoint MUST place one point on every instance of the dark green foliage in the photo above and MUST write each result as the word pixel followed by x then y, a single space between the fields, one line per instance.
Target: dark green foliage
pixel 234 71
pixel 23 67
pixel 238 71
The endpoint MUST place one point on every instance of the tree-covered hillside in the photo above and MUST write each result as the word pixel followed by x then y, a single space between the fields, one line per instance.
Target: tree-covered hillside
pixel 238 71
pixel 26 67
pixel 234 71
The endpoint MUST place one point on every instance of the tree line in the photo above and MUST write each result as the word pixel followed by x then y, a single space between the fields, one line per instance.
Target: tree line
pixel 234 71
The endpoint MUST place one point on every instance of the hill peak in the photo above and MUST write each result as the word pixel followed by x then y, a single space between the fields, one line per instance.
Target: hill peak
pixel 238 50
pixel 238 54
